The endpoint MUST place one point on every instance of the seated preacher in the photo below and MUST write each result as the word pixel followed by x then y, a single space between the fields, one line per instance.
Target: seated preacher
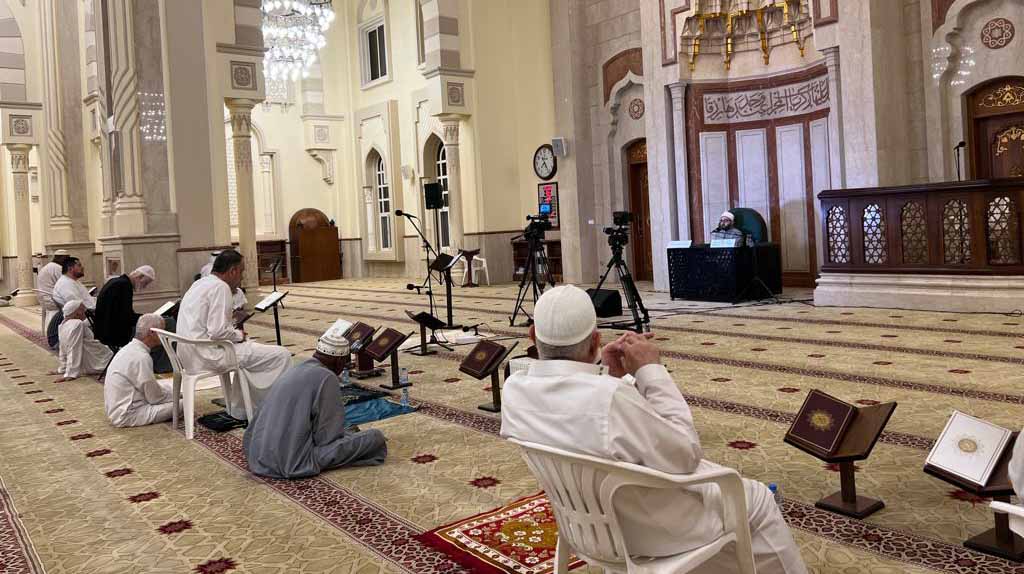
pixel 299 430
pixel 132 396
pixel 727 229
pixel 205 313
pixel 565 400
pixel 80 353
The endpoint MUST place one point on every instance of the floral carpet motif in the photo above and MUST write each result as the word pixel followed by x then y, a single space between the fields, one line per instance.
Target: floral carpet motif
pixel 519 537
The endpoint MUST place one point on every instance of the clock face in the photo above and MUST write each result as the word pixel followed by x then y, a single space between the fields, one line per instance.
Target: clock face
pixel 545 164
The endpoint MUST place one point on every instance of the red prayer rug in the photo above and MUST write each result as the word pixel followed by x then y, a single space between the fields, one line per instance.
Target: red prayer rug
pixel 519 538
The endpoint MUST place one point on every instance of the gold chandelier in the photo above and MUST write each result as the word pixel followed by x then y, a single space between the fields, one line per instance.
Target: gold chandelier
pixel 717 23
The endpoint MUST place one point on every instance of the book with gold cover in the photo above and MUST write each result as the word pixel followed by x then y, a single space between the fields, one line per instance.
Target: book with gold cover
pixel 483 359
pixel 385 344
pixel 358 333
pixel 821 423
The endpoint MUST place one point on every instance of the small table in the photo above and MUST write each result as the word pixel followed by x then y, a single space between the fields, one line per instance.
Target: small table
pixel 469 255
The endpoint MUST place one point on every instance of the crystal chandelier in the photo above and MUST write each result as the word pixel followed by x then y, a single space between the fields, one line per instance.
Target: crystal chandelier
pixel 293 31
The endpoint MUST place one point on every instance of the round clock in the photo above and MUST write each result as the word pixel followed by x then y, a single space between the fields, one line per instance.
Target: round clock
pixel 545 164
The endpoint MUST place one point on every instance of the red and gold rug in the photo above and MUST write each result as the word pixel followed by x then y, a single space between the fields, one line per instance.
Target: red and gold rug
pixel 519 537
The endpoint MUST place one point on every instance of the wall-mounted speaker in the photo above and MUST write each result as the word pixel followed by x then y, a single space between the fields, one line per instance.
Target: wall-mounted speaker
pixel 560 146
pixel 432 197
pixel 407 171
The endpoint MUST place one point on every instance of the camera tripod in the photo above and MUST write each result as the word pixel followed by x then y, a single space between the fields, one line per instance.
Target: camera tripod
pixel 536 260
pixel 633 299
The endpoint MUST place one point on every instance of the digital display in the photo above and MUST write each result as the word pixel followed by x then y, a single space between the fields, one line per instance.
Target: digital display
pixel 545 209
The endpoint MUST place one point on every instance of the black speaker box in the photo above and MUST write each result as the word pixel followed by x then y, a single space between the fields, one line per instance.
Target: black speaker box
pixel 432 197
pixel 607 302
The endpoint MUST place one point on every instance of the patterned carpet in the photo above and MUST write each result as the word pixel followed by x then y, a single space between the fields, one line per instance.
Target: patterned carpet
pixel 79 496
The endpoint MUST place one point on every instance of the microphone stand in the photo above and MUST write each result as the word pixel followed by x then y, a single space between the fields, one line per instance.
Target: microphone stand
pixel 956 152
pixel 430 274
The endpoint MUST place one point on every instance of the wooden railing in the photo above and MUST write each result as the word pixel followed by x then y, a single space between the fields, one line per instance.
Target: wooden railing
pixel 970 227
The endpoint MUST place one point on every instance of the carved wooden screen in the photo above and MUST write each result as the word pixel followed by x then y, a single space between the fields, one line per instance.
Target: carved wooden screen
pixel 876 247
pixel 1002 233
pixel 956 233
pixel 914 232
pixel 838 235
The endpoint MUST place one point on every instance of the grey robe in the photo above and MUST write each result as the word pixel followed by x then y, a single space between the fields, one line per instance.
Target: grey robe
pixel 298 430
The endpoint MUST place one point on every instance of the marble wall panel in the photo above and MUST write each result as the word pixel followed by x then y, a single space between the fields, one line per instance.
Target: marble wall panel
pixel 714 165
pixel 789 149
pixel 752 169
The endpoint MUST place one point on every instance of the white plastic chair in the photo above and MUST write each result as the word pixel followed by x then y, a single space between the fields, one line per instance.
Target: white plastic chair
pixel 582 490
pixel 186 382
pixel 1016 513
pixel 479 265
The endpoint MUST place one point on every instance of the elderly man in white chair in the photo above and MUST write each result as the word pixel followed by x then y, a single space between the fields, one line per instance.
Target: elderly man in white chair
pixel 630 410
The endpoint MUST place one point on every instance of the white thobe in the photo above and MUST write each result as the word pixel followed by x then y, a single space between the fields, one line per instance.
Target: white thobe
pixel 570 405
pixel 205 313
pixel 132 396
pixel 80 353
pixel 237 298
pixel 67 289
pixel 45 282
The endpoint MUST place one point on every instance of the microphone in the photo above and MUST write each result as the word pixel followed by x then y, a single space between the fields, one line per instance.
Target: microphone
pixel 961 145
pixel 474 328
pixel 401 213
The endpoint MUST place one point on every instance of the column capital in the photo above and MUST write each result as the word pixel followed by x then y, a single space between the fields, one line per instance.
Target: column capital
pixel 450 127
pixel 240 104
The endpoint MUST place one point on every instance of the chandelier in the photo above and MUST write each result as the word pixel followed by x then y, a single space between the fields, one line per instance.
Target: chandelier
pixel 293 31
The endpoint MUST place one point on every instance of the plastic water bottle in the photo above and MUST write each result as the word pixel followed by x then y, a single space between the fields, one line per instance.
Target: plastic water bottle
pixel 405 396
pixel 344 378
pixel 776 493
pixel 403 376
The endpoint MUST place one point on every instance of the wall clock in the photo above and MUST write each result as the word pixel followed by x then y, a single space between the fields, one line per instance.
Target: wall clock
pixel 545 164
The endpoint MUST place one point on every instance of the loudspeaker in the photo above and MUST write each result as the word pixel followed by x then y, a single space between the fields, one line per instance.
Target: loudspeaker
pixel 432 197
pixel 560 147
pixel 607 302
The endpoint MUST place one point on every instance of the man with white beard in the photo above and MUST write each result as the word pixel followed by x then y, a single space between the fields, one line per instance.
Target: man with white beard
pixel 205 313
pixel 132 395
pixel 80 353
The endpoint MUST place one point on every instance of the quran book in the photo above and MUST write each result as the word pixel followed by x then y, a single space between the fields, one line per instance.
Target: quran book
pixel 269 301
pixel 386 343
pixel 166 307
pixel 358 333
pixel 483 359
pixel 239 323
pixel 821 423
pixel 969 448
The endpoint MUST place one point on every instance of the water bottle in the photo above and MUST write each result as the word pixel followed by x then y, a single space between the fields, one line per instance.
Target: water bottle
pixel 344 377
pixel 405 396
pixel 776 493
pixel 403 376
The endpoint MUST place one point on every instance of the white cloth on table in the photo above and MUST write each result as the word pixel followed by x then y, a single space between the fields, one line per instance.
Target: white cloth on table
pixel 80 353
pixel 45 283
pixel 570 405
pixel 67 289
pixel 205 313
pixel 132 395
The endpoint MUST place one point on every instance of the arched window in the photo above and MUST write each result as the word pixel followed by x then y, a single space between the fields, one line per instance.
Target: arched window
pixel 442 179
pixel 383 205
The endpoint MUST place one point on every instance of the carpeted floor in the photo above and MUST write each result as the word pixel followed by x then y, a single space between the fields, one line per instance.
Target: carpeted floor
pixel 79 496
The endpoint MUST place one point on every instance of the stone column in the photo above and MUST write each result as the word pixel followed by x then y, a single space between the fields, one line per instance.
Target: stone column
pixel 837 167
pixel 55 167
pixel 241 139
pixel 22 219
pixel 681 173
pixel 450 125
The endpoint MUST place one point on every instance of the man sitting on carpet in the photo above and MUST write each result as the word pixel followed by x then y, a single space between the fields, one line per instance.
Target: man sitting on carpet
pixel 80 353
pixel 132 396
pixel 567 402
pixel 299 431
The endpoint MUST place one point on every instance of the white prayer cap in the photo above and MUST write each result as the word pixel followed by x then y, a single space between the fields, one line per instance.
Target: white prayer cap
pixel 564 316
pixel 146 271
pixel 70 307
pixel 61 252
pixel 728 215
pixel 333 342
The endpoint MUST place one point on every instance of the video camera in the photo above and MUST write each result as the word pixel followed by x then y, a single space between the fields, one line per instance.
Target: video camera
pixel 537 226
pixel 618 236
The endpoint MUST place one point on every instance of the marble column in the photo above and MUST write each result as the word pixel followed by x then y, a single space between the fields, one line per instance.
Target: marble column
pixel 22 221
pixel 837 167
pixel 55 167
pixel 241 138
pixel 677 92
pixel 450 126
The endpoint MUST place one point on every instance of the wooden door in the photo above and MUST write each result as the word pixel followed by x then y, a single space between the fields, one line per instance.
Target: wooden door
pixel 639 204
pixel 996 129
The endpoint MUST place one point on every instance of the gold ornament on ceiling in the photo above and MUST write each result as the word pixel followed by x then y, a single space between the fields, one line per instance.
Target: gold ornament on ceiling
pixel 745 25
pixel 1008 95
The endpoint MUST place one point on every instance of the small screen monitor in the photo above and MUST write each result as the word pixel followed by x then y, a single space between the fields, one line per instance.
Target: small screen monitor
pixel 545 209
